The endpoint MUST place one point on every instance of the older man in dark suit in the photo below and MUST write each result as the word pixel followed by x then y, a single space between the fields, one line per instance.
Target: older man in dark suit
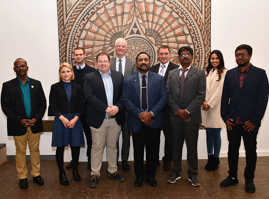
pixel 186 93
pixel 127 67
pixel 103 91
pixel 24 103
pixel 243 104
pixel 163 68
pixel 145 98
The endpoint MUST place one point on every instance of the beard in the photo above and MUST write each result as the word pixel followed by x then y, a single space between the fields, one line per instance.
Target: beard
pixel 243 64
pixel 143 68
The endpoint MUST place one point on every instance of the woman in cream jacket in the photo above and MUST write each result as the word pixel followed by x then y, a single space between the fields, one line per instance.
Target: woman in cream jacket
pixel 211 118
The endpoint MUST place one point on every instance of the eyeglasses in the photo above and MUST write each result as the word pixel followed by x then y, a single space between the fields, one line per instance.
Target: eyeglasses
pixel 21 66
pixel 185 55
pixel 241 54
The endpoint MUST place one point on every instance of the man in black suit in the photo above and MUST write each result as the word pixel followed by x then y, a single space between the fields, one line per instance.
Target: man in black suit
pixel 163 68
pixel 243 104
pixel 24 103
pixel 145 98
pixel 103 90
pixel 127 67
pixel 81 69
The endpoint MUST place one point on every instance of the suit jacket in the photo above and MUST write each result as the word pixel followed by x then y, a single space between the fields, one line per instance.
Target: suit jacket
pixel 95 96
pixel 248 102
pixel 13 106
pixel 80 74
pixel 156 100
pixel 130 68
pixel 194 92
pixel 155 68
pixel 58 102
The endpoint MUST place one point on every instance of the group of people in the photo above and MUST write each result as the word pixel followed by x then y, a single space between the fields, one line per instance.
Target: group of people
pixel 118 96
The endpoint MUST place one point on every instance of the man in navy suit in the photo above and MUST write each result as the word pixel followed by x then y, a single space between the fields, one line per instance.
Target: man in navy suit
pixel 163 68
pixel 144 96
pixel 24 103
pixel 243 104
pixel 103 91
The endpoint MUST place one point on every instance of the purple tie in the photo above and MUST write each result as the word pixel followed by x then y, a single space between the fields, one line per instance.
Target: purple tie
pixel 181 81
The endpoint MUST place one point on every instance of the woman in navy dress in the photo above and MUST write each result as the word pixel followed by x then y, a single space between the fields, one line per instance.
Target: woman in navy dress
pixel 65 103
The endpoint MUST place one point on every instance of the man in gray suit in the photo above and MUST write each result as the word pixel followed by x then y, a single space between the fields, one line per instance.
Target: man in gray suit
pixel 127 67
pixel 186 87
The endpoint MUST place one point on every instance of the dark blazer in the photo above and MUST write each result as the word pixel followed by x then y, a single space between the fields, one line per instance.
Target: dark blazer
pixel 95 96
pixel 156 100
pixel 171 66
pixel 58 102
pixel 80 74
pixel 194 92
pixel 13 106
pixel 249 102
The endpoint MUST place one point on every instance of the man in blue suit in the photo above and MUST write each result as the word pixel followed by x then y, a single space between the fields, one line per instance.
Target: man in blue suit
pixel 144 96
pixel 244 101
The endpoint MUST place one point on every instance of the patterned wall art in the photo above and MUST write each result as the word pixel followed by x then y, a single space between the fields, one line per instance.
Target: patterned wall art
pixel 145 24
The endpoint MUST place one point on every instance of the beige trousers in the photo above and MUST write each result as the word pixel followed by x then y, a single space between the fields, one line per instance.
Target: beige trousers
pixel 107 136
pixel 21 143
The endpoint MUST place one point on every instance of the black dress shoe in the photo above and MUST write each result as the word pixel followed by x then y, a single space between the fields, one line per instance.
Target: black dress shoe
pixel 23 183
pixel 76 175
pixel 152 182
pixel 125 166
pixel 63 179
pixel 69 165
pixel 138 182
pixel 38 180
pixel 229 181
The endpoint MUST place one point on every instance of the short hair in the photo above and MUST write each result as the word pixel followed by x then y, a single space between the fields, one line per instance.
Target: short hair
pixel 17 60
pixel 121 39
pixel 66 65
pixel 136 59
pixel 164 47
pixel 185 48
pixel 102 53
pixel 80 48
pixel 244 47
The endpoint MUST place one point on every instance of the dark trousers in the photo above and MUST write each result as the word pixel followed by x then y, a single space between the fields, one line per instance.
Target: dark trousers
pixel 60 157
pixel 88 135
pixel 149 138
pixel 250 143
pixel 125 147
pixel 167 143
pixel 188 132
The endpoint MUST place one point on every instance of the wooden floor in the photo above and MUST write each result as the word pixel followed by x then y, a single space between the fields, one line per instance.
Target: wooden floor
pixel 108 189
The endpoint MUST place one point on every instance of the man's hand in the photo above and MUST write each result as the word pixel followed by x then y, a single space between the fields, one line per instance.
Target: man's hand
pixel 229 124
pixel 249 126
pixel 32 122
pixel 112 110
pixel 146 118
pixel 183 114
pixel 25 122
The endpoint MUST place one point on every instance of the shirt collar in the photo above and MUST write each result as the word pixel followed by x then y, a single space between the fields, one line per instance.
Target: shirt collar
pixel 166 64
pixel 122 59
pixel 27 81
pixel 103 74
pixel 181 67
pixel 81 67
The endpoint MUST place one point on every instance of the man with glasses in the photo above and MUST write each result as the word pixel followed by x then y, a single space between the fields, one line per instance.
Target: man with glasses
pixel 243 104
pixel 186 92
pixel 24 103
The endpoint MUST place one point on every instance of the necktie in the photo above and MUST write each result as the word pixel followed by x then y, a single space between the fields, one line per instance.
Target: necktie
pixel 120 66
pixel 144 93
pixel 162 70
pixel 181 79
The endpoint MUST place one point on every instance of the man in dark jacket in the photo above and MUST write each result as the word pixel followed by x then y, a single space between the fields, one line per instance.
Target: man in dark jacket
pixel 24 103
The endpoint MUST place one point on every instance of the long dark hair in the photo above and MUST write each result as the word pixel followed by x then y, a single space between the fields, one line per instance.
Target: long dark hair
pixel 220 67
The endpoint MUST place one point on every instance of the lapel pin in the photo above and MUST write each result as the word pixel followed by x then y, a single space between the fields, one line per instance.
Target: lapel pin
pixel 32 86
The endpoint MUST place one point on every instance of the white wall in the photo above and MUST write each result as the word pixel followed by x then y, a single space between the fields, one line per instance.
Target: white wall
pixel 29 30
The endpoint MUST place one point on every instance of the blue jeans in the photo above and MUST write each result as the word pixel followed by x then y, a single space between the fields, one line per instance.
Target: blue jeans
pixel 213 141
